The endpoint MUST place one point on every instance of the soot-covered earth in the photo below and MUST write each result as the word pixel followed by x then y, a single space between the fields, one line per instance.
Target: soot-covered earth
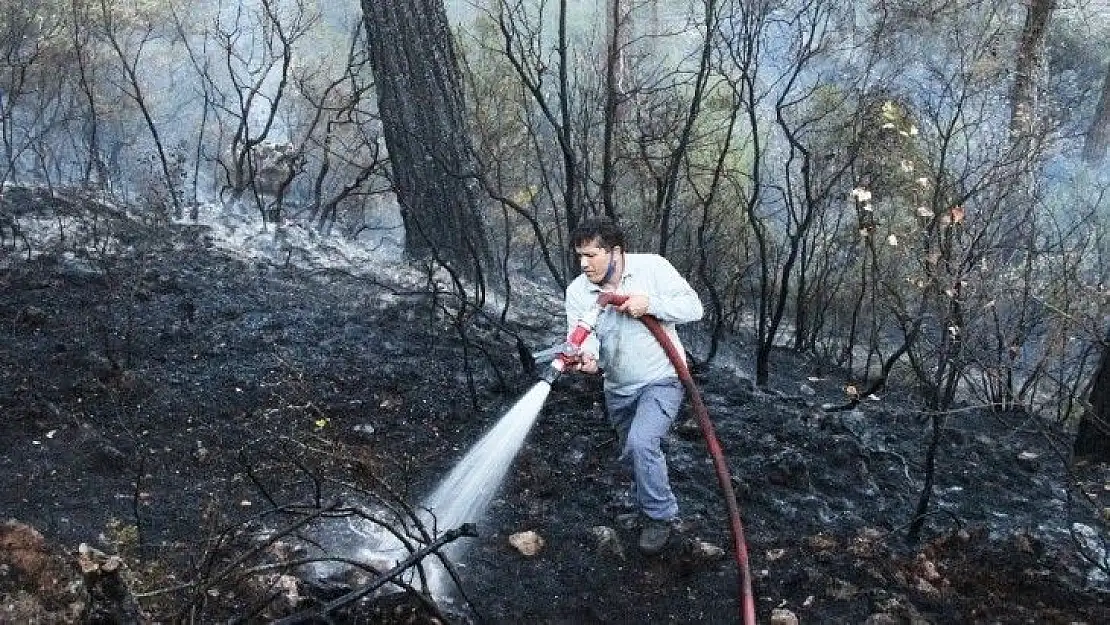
pixel 194 418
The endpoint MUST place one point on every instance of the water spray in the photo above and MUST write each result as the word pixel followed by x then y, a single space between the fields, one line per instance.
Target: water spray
pixel 569 353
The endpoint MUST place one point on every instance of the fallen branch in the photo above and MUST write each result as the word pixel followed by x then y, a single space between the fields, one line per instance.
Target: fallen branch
pixel 464 530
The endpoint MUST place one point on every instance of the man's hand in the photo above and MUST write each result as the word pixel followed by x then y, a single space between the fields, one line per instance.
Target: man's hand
pixel 636 305
pixel 586 363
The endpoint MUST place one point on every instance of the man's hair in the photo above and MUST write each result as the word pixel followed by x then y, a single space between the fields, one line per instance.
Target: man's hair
pixel 607 233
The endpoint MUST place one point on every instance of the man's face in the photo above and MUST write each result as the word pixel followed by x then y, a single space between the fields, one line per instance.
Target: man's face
pixel 594 260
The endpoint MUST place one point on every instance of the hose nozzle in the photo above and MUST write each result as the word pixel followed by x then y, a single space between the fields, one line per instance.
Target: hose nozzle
pixel 554 372
pixel 578 335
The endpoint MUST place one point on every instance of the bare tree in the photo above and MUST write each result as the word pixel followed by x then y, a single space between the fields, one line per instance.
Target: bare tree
pixel 341 135
pixel 129 51
pixel 672 164
pixel 96 170
pixel 1098 133
pixel 790 181
pixel 247 88
pixel 548 115
pixel 1093 439
pixel 34 63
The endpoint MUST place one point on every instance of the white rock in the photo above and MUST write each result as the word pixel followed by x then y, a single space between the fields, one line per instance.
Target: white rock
pixel 782 616
pixel 707 551
pixel 528 543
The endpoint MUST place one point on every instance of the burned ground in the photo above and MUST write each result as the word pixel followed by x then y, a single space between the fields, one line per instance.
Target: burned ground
pixel 191 409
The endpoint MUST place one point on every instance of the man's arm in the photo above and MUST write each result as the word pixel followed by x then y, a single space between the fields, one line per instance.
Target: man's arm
pixel 672 300
pixel 579 301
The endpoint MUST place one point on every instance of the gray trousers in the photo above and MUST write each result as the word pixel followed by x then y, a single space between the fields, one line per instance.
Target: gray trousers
pixel 642 421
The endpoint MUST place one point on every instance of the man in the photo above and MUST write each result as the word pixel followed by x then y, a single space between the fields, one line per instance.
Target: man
pixel 642 390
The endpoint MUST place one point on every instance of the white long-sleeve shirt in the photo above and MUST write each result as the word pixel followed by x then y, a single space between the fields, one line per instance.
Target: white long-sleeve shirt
pixel 627 352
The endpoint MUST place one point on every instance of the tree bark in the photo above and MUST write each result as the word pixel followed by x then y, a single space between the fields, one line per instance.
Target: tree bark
pixel 1098 135
pixel 1093 438
pixel 421 103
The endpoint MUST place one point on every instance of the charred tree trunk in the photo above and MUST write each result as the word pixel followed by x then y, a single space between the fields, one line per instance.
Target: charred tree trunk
pixel 1098 135
pixel 1093 439
pixel 422 109
pixel 615 82
pixel 1029 70
pixel 913 534
pixel 573 184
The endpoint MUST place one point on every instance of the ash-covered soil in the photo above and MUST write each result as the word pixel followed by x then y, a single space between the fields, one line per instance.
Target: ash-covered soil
pixel 199 410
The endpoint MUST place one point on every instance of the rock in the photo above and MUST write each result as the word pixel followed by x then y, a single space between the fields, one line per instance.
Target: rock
pixel 688 429
pixel 807 390
pixel 1024 542
pixel 986 441
pixel 926 588
pixel 283 592
pixel 110 599
pixel 782 616
pixel 914 617
pixel 287 551
pixel 929 570
pixel 706 552
pixel 1029 461
pixel 629 520
pixel 841 590
pixel 32 316
pixel 364 432
pixel 789 468
pixel 822 542
pixel 200 454
pixel 607 541
pixel 528 543
pixel 899 610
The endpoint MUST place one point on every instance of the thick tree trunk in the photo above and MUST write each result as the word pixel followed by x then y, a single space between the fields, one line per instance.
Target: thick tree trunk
pixel 1098 135
pixel 1093 439
pixel 421 103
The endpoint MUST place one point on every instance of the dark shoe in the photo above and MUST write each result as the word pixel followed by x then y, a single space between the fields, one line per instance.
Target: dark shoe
pixel 653 538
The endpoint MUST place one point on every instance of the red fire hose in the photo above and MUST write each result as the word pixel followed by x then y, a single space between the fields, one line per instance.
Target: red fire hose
pixel 747 607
